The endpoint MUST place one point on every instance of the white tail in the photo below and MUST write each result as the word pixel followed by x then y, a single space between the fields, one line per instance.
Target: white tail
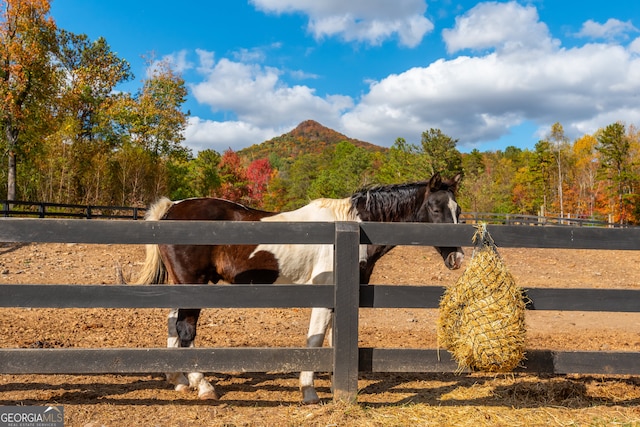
pixel 154 271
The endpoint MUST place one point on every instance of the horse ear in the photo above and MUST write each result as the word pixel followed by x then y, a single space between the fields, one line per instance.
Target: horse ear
pixel 456 182
pixel 435 182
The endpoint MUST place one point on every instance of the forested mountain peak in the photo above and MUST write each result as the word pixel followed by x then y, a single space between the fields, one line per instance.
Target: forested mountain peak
pixel 308 137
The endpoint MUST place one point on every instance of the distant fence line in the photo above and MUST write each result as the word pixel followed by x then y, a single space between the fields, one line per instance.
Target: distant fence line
pixel 59 210
pixel 520 219
pixel 12 208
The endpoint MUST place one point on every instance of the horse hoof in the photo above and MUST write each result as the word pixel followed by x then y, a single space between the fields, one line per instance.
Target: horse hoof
pixel 309 396
pixel 209 395
pixel 182 388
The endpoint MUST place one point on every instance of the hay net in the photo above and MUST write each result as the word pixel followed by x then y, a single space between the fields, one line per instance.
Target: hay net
pixel 481 319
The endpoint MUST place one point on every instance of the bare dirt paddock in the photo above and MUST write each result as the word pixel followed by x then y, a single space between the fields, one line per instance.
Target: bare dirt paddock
pixel 273 399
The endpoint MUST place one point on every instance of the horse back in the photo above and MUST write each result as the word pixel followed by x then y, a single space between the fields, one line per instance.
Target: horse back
pixel 213 209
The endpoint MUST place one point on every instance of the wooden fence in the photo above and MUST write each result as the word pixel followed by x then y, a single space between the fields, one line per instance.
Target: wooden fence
pixel 344 359
pixel 59 210
pixel 12 208
pixel 521 219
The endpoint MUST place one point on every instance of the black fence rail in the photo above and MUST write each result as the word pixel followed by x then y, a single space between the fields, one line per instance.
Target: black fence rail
pixel 61 210
pixel 345 360
pixel 12 208
pixel 519 219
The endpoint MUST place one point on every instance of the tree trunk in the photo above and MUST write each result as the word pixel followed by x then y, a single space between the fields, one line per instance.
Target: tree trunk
pixel 12 142
pixel 11 176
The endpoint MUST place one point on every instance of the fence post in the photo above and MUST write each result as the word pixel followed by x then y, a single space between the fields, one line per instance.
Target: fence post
pixel 346 306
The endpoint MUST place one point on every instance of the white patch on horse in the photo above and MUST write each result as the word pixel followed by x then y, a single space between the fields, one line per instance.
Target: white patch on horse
pixel 453 206
pixel 309 264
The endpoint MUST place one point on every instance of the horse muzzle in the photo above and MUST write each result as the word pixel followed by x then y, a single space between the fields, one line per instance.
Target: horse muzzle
pixel 454 260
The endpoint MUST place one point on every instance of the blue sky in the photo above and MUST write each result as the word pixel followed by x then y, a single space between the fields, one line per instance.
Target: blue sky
pixel 490 74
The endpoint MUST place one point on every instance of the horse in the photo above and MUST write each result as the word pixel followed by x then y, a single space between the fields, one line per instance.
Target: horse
pixel 427 201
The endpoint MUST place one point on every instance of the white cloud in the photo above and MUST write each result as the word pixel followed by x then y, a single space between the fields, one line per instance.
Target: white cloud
pixel 203 134
pixel 611 29
pixel 513 73
pixel 257 95
pixel 177 61
pixel 500 26
pixel 259 100
pixel 369 21
pixel 479 98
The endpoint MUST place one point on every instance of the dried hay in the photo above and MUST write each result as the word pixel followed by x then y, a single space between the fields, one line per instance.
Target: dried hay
pixel 481 319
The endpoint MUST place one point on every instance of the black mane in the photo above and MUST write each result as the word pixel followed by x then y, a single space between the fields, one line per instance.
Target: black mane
pixel 390 203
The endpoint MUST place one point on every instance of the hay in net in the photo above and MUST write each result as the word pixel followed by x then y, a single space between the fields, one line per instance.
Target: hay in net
pixel 481 319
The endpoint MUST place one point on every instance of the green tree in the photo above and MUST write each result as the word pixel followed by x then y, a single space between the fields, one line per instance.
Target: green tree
pixel 346 172
pixel 614 147
pixel 160 122
pixel 403 163
pixel 203 173
pixel 92 72
pixel 473 165
pixel 441 152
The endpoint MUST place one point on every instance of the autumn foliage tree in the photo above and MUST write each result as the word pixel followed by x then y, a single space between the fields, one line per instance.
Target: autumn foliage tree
pixel 27 76
pixel 258 173
pixel 233 177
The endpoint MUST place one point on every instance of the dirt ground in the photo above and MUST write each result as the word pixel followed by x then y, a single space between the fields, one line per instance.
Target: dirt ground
pixel 273 399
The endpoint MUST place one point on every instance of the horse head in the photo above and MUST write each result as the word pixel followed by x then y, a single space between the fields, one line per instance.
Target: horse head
pixel 441 207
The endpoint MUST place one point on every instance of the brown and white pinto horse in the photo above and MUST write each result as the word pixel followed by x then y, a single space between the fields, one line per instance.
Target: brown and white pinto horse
pixel 429 201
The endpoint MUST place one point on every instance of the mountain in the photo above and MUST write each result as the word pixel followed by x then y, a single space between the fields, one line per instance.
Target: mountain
pixel 308 137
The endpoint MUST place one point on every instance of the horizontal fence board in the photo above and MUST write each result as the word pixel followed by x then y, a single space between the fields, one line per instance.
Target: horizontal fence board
pixel 166 296
pixel 164 232
pixel 548 237
pixel 602 362
pixel 614 300
pixel 283 296
pixel 160 360
pixel 405 360
pixel 396 233
pixel 400 296
pixel 406 296
pixel 537 361
pixel 558 237
pixel 250 232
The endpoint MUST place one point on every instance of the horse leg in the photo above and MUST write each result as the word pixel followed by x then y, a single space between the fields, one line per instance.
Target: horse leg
pixel 177 379
pixel 318 325
pixel 182 332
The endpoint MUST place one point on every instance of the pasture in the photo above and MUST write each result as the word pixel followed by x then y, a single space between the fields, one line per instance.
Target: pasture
pixel 273 399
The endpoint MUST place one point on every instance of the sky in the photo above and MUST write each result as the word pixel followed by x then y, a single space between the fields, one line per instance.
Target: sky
pixel 488 74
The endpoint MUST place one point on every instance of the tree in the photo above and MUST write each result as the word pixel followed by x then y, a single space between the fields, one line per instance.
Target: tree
pixel 92 72
pixel 474 172
pixel 161 122
pixel 586 166
pixel 404 162
pixel 442 154
pixel 27 76
pixel 259 173
pixel 614 148
pixel 152 120
pixel 203 173
pixel 233 176
pixel 346 172
pixel 559 143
